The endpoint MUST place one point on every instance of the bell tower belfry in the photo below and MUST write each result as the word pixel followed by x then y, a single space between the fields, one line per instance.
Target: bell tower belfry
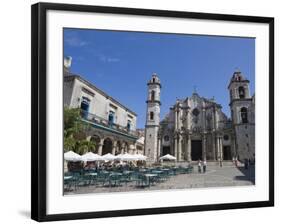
pixel 242 115
pixel 151 145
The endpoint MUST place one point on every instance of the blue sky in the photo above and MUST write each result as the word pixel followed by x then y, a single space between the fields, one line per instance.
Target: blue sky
pixel 121 63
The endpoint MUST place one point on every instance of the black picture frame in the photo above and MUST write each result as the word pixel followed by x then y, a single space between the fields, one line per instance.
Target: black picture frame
pixel 39 108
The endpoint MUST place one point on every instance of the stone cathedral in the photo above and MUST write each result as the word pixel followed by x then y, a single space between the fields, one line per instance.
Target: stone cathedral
pixel 196 127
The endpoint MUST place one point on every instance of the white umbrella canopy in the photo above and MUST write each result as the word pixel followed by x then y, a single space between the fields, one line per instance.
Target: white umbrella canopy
pixel 168 157
pixel 131 157
pixel 89 156
pixel 126 157
pixel 109 157
pixel 72 156
pixel 141 157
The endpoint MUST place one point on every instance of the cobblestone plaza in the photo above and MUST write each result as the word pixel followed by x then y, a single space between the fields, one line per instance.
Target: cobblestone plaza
pixel 215 176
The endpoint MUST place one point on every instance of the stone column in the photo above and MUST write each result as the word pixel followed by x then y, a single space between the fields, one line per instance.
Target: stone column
pixel 125 148
pixel 236 93
pixel 100 146
pixel 180 118
pixel 114 147
pixel 214 147
pixel 189 148
pixel 215 118
pixel 218 148
pixel 122 147
pixel 221 151
pixel 176 119
pixel 187 119
pixel 204 156
pixel 180 148
pixel 175 146
pixel 204 118
pixel 135 148
pixel 158 148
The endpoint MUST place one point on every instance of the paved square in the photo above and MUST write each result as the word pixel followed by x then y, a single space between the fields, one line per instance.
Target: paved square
pixel 215 176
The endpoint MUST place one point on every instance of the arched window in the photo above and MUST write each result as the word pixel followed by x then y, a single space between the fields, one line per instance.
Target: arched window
pixel 241 91
pixel 152 95
pixel 244 115
pixel 151 115
pixel 153 80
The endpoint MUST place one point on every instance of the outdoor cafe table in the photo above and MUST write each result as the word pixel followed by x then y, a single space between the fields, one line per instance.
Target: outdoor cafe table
pixel 157 171
pixel 113 176
pixel 67 177
pixel 166 171
pixel 91 174
pixel 149 176
pixel 127 172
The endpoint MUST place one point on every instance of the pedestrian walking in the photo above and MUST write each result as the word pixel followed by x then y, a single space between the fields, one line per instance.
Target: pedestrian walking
pixel 204 166
pixel 236 161
pixel 199 166
pixel 220 160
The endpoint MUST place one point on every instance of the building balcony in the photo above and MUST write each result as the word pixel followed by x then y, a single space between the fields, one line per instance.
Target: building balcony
pixel 108 125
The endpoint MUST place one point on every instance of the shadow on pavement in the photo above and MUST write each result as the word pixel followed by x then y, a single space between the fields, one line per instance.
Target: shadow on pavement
pixel 249 174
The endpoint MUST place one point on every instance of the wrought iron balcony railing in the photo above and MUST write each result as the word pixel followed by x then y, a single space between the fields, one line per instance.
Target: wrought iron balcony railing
pixel 106 123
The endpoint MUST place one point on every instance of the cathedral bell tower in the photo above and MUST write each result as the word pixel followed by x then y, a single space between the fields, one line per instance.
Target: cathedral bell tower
pixel 151 145
pixel 242 110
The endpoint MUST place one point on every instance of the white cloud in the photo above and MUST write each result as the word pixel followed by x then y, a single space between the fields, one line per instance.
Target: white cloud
pixel 75 42
pixel 105 59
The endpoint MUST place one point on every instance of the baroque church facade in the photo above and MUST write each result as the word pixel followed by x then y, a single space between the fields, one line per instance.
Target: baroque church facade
pixel 196 127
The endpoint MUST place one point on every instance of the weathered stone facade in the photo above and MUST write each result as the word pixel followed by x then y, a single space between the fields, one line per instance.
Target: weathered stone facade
pixel 196 128
pixel 110 124
pixel 152 119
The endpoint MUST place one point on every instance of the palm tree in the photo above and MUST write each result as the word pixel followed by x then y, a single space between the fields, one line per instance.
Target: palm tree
pixel 72 121
pixel 84 146
pixel 69 143
pixel 74 136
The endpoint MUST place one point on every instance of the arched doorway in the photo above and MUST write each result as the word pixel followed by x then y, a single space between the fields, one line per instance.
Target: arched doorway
pixel 126 145
pixel 107 146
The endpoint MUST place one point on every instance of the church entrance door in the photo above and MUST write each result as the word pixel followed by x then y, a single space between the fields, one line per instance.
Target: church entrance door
pixel 226 153
pixel 196 150
pixel 166 150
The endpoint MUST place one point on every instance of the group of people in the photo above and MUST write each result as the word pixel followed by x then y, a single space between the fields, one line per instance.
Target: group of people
pixel 202 165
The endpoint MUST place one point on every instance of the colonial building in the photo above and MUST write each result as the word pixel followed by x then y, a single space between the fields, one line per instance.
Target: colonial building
pixel 112 125
pixel 196 127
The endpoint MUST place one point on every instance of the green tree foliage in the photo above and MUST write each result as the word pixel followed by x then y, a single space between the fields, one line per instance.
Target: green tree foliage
pixel 72 121
pixel 74 136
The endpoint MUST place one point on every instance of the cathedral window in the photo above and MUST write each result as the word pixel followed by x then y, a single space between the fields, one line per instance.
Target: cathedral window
pixel 166 138
pixel 226 137
pixel 195 112
pixel 244 115
pixel 152 95
pixel 241 91
pixel 151 115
